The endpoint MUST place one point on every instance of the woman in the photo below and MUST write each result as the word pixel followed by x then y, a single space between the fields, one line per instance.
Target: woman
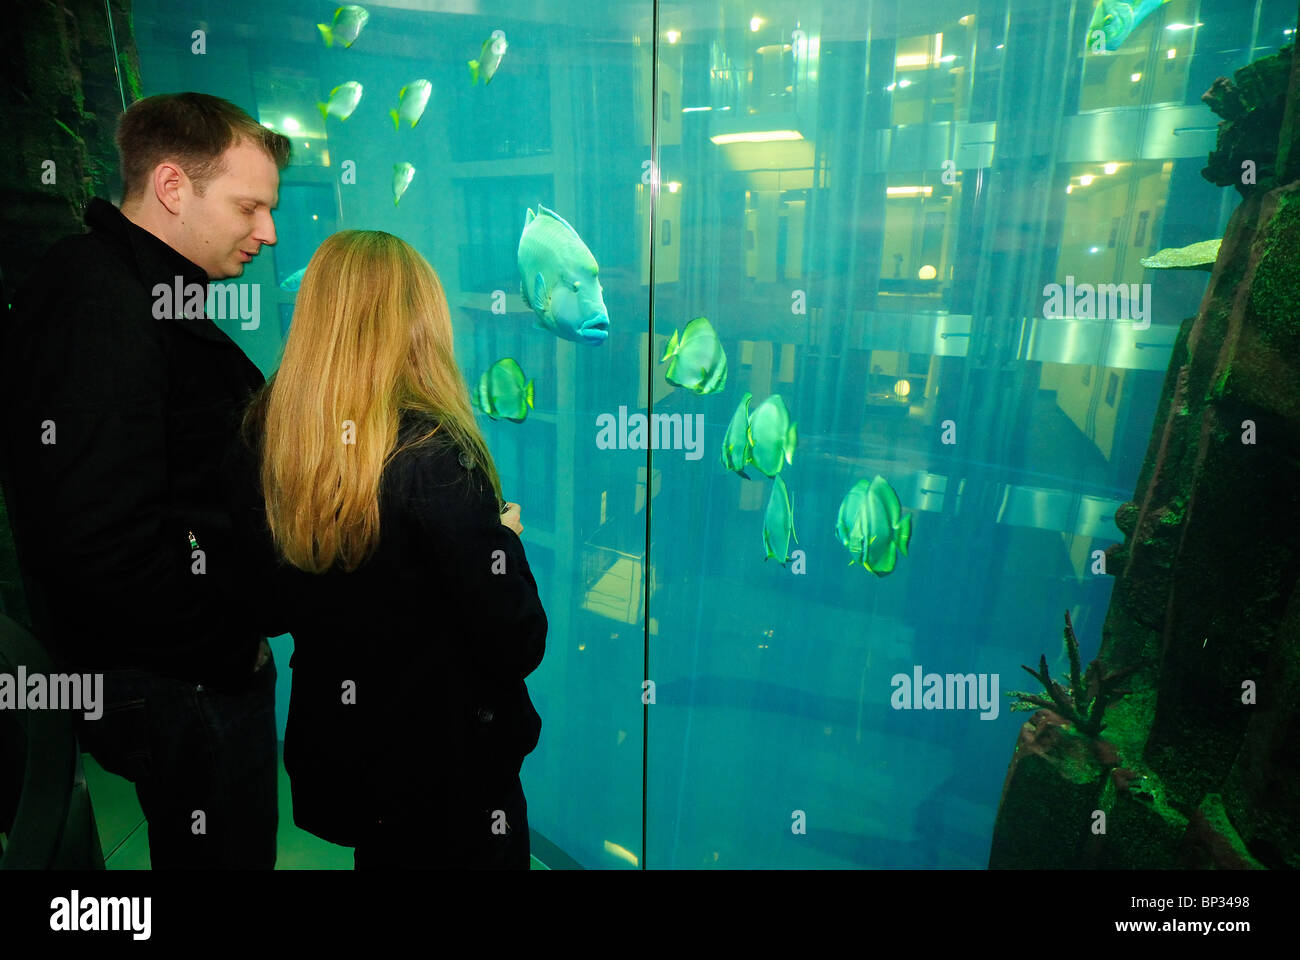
pixel 368 515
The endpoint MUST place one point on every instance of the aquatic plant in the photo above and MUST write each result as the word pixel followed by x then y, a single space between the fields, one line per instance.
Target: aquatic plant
pixel 1084 703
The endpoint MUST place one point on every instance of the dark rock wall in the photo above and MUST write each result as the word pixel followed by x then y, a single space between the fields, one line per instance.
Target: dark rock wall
pixel 60 102
pixel 1206 604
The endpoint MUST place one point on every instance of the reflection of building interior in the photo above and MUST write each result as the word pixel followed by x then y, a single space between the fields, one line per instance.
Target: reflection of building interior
pixel 930 148
pixel 871 205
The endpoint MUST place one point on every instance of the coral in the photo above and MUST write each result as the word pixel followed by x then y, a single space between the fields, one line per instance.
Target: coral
pixel 1084 703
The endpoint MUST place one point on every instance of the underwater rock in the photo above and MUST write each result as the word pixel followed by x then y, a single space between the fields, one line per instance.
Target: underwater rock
pixel 1126 517
pixel 1052 786
pixel 1251 105
pixel 1275 310
pixel 61 108
pixel 1202 623
pixel 1142 830
pixel 1211 841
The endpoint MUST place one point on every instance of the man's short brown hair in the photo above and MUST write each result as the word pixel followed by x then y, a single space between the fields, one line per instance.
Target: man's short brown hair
pixel 191 129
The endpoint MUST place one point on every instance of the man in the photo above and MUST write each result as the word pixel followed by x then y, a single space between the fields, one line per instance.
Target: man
pixel 117 409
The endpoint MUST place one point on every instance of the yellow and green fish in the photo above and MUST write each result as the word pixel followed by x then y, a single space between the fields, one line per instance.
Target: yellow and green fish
pixel 348 21
pixel 735 442
pixel 403 174
pixel 293 281
pixel 343 100
pixel 697 360
pixel 412 100
pixel 772 436
pixel 778 524
pixel 504 392
pixel 872 526
pixel 489 59
pixel 766 438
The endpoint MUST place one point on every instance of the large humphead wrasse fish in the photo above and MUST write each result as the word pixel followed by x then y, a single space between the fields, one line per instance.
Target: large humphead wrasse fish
pixel 1116 19
pixel 558 278
pixel 872 526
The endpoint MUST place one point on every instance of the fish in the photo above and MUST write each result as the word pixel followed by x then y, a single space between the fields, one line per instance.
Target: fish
pixel 696 361
pixel 778 524
pixel 772 437
pixel 348 21
pixel 503 393
pixel 343 100
pixel 293 280
pixel 1116 19
pixel 489 59
pixel 871 525
pixel 735 442
pixel 559 279
pixel 403 174
pixel 1194 256
pixel 411 101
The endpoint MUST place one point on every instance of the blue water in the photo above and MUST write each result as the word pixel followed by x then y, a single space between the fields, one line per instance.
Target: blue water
pixel 772 741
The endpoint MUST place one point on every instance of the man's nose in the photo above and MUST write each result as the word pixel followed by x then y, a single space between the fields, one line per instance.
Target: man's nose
pixel 265 232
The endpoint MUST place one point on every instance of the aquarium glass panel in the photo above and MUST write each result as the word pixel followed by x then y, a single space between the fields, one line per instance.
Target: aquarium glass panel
pixel 882 363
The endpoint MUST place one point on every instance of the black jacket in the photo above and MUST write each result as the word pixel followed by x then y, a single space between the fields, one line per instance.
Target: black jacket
pixel 145 413
pixel 409 702
pixel 143 409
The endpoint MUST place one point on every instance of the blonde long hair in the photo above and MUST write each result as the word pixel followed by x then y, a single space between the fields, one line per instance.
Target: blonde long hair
pixel 371 336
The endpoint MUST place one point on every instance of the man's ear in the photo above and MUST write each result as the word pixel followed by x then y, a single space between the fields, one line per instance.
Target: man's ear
pixel 170 184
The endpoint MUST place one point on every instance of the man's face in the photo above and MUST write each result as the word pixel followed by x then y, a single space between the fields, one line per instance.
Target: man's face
pixel 226 227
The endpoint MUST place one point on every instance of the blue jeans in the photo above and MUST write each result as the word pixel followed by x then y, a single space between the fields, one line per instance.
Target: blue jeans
pixel 203 762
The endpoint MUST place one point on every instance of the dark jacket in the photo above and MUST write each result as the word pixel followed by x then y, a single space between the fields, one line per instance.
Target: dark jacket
pixel 146 414
pixel 409 702
pixel 143 409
